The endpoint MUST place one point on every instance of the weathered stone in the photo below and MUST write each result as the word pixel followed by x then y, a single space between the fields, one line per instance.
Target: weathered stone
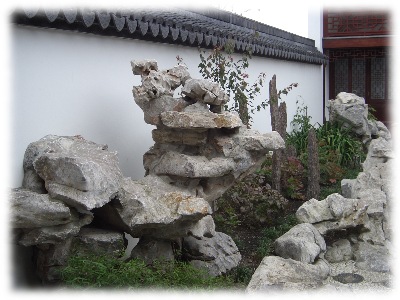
pixel 203 228
pixel 205 91
pixel 33 182
pixel 352 112
pixel 349 98
pixel 302 243
pixel 149 250
pixel 154 208
pixel 82 174
pixel 217 255
pixel 55 234
pixel 51 260
pixel 339 251
pixel 333 213
pixel 372 257
pixel 143 67
pixel 346 186
pixel 31 210
pixel 180 136
pixel 377 177
pixel 379 151
pixel 99 241
pixel 276 273
pixel 175 119
pixel 152 108
pixel 173 163
pixel 314 211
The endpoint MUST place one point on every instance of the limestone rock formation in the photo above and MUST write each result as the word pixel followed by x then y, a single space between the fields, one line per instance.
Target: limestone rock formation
pixel 276 273
pixel 216 254
pixel 302 242
pixel 74 192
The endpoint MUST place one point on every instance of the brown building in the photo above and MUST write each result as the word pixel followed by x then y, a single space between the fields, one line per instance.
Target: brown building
pixel 358 47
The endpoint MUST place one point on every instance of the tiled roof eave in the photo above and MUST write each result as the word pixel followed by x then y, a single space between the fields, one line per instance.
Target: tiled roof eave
pixel 174 27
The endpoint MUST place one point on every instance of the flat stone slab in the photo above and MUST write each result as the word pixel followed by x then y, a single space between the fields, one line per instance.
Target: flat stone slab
pixel 175 119
pixel 173 163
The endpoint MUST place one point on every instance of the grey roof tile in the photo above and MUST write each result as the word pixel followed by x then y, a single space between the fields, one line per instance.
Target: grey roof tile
pixel 206 28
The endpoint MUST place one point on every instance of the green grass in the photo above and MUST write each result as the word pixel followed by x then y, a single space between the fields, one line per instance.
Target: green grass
pixel 91 271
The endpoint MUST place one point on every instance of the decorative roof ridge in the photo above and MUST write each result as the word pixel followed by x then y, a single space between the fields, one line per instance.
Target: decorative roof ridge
pixel 178 26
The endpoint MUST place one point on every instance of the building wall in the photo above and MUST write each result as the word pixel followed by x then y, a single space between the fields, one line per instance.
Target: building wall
pixel 68 83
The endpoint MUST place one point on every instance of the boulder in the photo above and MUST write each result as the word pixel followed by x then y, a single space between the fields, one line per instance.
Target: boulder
pixel 55 234
pixel 189 120
pixel 99 241
pixel 153 207
pixel 205 227
pixel 149 250
pixel 339 251
pixel 174 163
pixel 302 243
pixel 80 173
pixel 216 255
pixel 32 210
pixel 205 91
pixel 373 258
pixel 379 151
pixel 277 273
pixel 333 213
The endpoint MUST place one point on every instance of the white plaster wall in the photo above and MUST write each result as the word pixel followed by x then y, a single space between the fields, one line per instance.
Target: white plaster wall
pixel 67 83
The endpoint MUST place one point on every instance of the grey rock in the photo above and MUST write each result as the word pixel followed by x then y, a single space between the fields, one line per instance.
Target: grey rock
pixel 149 250
pixel 217 255
pixel 82 174
pixel 339 251
pixel 99 241
pixel 55 234
pixel 175 119
pixel 153 107
pixel 144 67
pixel 205 91
pixel 155 208
pixel 205 227
pixel 314 211
pixel 346 186
pixel 180 136
pixel 349 98
pixel 372 257
pixel 173 163
pixel 333 213
pixel 302 243
pixel 277 273
pixel 379 151
pixel 51 259
pixel 31 210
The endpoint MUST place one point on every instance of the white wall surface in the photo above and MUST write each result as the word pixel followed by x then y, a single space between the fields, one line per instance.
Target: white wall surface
pixel 67 83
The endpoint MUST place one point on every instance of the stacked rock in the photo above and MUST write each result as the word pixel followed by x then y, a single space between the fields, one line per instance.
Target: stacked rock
pixel 74 192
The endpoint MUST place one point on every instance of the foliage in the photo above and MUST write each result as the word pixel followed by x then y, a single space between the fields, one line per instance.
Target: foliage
pixel 94 271
pixel 242 274
pixel 248 202
pixel 292 176
pixel 270 234
pixel 220 67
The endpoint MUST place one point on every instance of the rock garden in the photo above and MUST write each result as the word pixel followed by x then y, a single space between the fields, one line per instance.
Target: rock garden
pixel 221 206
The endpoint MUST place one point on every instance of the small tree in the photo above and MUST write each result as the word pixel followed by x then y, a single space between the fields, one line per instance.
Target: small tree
pixel 220 66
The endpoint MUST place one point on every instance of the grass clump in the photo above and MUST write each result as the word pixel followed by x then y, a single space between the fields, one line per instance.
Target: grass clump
pixel 92 271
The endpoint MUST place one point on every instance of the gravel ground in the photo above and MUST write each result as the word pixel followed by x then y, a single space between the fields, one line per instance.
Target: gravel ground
pixel 372 280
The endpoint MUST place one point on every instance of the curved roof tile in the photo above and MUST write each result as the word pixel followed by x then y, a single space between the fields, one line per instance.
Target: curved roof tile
pixel 207 28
